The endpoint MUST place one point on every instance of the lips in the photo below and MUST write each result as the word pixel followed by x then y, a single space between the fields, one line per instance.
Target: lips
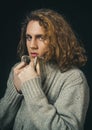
pixel 34 54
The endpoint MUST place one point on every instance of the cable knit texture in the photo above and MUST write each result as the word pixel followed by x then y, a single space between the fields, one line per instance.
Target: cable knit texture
pixel 55 101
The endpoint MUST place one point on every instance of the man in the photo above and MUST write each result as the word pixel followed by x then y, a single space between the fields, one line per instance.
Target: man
pixel 52 95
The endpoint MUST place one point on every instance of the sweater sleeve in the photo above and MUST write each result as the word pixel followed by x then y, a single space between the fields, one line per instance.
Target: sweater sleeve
pixel 9 103
pixel 69 110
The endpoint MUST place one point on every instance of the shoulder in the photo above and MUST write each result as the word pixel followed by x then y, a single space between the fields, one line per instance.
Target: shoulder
pixel 74 77
pixel 74 73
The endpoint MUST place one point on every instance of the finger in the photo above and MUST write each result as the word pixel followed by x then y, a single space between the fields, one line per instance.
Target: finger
pixel 21 65
pixel 35 62
pixel 17 71
pixel 38 68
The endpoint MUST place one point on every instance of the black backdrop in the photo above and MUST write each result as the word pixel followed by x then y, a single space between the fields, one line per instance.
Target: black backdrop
pixel 12 12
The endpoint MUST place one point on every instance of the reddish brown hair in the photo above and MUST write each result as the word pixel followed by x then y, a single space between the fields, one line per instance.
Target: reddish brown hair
pixel 65 48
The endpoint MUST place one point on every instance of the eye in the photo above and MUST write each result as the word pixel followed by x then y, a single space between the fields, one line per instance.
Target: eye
pixel 28 38
pixel 41 38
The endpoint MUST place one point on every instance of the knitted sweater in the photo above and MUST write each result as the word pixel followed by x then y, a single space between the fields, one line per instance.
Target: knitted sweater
pixel 57 101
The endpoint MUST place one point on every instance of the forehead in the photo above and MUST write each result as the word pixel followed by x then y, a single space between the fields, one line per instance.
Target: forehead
pixel 34 28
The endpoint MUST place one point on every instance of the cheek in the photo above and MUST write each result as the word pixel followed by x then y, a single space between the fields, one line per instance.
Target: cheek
pixel 44 46
pixel 44 50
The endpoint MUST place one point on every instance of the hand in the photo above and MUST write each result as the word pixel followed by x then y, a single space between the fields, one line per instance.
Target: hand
pixel 24 72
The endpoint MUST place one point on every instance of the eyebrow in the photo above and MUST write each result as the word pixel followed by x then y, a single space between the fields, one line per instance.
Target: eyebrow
pixel 37 35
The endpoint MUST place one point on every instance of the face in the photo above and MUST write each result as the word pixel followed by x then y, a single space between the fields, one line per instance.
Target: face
pixel 37 44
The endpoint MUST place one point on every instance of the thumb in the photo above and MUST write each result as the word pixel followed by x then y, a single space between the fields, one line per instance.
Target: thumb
pixel 38 68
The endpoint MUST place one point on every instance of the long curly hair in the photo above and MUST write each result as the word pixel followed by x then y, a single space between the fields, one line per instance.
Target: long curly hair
pixel 64 47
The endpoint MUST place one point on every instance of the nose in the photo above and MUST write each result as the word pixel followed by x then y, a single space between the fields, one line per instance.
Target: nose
pixel 33 44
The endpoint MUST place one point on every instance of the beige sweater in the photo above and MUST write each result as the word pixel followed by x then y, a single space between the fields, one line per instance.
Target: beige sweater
pixel 58 101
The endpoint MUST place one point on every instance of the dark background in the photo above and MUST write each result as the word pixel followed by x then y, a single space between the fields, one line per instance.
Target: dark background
pixel 12 12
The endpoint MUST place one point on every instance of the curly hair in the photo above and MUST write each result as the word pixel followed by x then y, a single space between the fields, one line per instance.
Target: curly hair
pixel 65 49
